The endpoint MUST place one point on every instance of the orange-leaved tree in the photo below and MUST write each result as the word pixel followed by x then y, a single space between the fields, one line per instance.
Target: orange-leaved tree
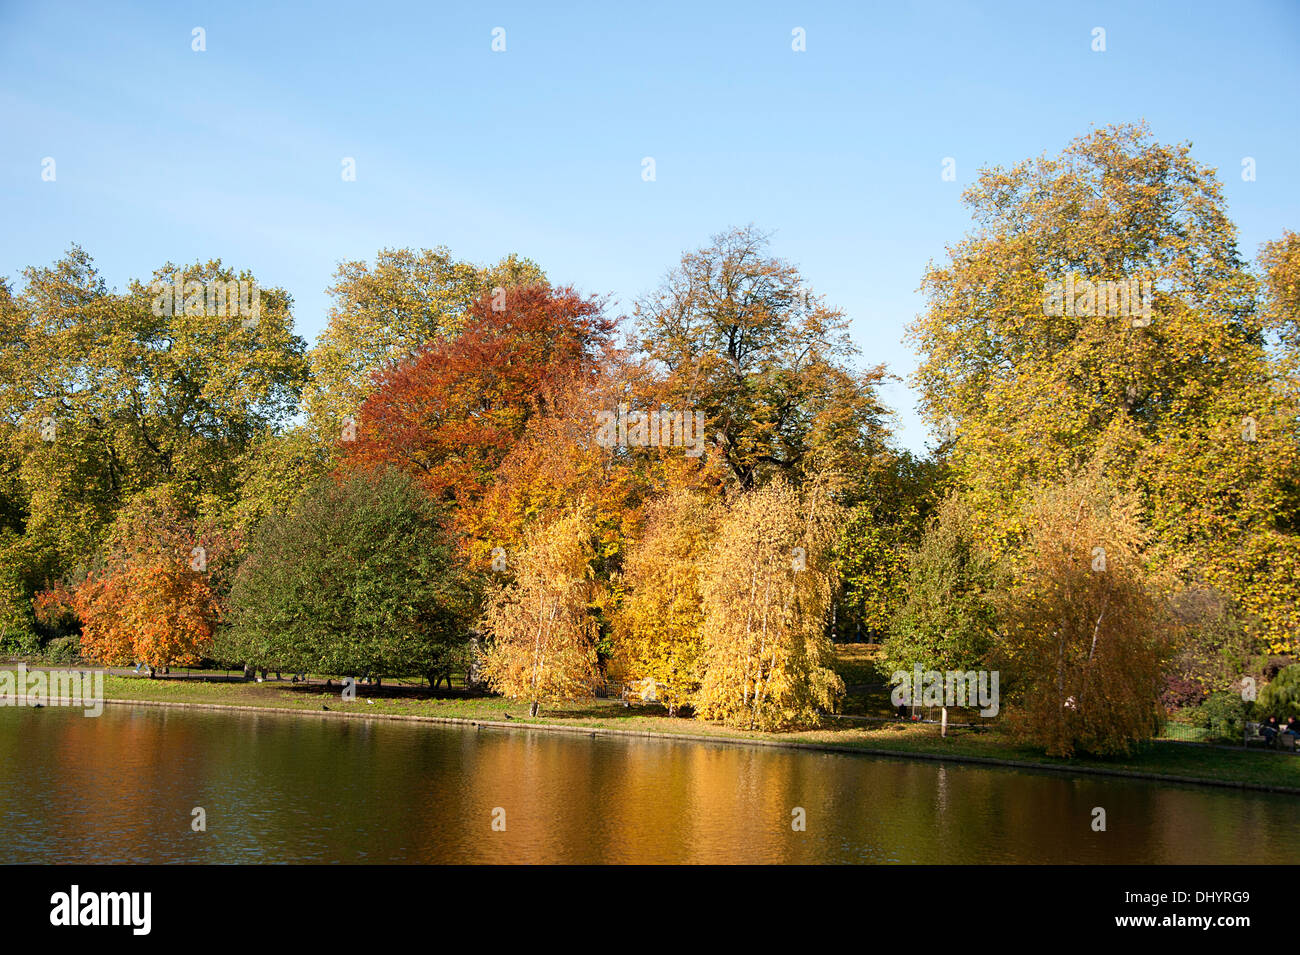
pixel 155 595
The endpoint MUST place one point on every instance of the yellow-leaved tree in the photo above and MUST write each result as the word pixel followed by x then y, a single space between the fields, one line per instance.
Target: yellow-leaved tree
pixel 1087 628
pixel 1101 310
pixel 541 633
pixel 767 598
pixel 659 626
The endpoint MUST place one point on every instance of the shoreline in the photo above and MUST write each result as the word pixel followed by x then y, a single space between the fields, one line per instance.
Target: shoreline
pixel 805 745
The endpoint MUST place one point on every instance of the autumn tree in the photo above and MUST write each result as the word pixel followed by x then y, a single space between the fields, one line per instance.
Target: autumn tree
pixel 1280 263
pixel 106 394
pixel 383 314
pixel 450 416
pixel 1100 311
pixel 1088 634
pixel 739 336
pixel 155 593
pixel 541 635
pixel 659 626
pixel 767 595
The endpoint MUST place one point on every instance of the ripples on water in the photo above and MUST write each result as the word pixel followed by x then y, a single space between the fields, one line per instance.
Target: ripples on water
pixel 120 788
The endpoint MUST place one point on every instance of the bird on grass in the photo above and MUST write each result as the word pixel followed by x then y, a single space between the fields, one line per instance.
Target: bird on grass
pixel 507 716
pixel 324 707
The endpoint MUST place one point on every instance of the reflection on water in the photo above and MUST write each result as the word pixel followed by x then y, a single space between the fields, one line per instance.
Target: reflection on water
pixel 121 788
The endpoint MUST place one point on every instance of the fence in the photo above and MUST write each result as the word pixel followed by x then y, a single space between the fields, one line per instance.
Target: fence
pixel 1184 733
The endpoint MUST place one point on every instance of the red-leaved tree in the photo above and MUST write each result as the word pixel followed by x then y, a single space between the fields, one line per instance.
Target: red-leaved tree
pixel 451 415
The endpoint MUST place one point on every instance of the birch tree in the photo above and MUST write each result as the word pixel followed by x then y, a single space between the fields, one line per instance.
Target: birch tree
pixel 767 599
pixel 659 628
pixel 1088 633
pixel 542 634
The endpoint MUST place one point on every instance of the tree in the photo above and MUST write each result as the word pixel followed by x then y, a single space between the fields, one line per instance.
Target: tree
pixel 767 598
pixel 1087 634
pixel 542 636
pixel 1101 312
pixel 947 619
pixel 385 313
pixel 359 577
pixel 451 415
pixel 659 625
pixel 1281 695
pixel 1280 262
pixel 106 395
pixel 156 596
pixel 741 339
pixel 1218 645
pixel 273 472
pixel 893 500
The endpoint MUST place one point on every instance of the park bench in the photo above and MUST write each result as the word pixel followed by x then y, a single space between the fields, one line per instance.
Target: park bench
pixel 1254 735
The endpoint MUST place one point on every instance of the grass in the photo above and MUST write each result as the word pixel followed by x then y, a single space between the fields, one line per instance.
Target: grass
pixel 1160 758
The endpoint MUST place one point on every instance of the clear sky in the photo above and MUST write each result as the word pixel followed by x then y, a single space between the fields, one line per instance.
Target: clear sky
pixel 163 153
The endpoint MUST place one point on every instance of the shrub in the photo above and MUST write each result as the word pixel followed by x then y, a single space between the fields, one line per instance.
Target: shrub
pixel 1181 693
pixel 18 642
pixel 62 651
pixel 1224 715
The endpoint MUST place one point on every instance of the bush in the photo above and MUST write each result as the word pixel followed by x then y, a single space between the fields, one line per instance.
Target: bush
pixel 1224 715
pixel 18 642
pixel 1181 693
pixel 64 651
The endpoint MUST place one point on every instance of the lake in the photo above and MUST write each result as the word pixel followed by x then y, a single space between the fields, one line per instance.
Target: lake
pixel 281 788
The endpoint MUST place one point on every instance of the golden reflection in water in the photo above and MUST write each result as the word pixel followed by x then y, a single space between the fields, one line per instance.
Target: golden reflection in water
pixel 276 788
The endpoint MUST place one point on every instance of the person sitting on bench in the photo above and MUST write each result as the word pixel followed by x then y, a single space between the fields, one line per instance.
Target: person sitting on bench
pixel 1270 729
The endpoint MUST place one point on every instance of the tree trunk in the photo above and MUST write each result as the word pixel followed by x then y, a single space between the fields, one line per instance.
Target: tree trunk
pixel 532 708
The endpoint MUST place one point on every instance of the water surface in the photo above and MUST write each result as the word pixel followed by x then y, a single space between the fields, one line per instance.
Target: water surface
pixel 284 788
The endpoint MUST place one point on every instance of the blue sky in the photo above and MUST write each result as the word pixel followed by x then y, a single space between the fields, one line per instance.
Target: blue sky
pixel 163 153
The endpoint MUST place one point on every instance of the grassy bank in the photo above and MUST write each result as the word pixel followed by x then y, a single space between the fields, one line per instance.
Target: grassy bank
pixel 1163 759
